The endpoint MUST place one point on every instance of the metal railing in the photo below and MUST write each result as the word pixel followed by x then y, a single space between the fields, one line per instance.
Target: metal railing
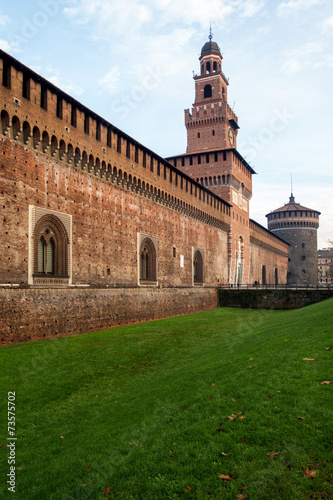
pixel 280 286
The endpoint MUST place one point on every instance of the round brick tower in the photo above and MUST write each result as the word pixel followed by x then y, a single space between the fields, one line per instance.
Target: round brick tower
pixel 298 225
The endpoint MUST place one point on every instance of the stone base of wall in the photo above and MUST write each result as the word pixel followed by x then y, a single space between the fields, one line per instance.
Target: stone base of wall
pixel 36 313
pixel 271 299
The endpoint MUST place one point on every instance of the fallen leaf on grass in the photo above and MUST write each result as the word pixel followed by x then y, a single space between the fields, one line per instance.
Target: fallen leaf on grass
pixel 273 453
pixel 308 359
pixel 243 416
pixel 244 439
pixel 250 366
pixel 240 496
pixel 224 454
pixel 233 416
pixel 133 442
pixel 188 488
pixel 269 395
pixel 225 477
pixel 251 359
pixel 170 452
pixel 210 397
pixel 327 348
pixel 300 418
pixel 310 473
pixel 326 382
pixel 61 437
pixel 107 491
pixel 219 429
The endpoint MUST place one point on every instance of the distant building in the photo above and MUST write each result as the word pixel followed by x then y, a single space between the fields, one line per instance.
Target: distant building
pixel 325 266
pixel 298 226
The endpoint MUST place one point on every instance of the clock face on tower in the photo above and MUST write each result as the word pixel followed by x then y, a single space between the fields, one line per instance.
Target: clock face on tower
pixel 231 137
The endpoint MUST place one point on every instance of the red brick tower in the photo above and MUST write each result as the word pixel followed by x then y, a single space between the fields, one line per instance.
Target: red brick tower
pixel 212 159
pixel 212 124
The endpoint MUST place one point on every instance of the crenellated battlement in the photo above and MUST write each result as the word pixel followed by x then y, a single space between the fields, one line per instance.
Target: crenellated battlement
pixel 40 116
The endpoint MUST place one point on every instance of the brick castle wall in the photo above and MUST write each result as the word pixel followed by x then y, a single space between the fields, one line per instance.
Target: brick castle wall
pixel 51 312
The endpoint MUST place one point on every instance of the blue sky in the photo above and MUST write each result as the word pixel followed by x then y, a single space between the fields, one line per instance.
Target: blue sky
pixel 132 63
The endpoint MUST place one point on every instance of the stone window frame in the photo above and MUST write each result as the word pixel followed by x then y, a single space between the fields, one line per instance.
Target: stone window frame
pixel 148 249
pixel 55 227
pixel 198 266
pixel 49 228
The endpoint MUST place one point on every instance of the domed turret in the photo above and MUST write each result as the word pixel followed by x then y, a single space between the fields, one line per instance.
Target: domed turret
pixel 297 225
pixel 210 48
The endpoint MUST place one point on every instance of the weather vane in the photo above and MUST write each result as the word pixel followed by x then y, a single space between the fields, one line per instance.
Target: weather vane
pixel 210 31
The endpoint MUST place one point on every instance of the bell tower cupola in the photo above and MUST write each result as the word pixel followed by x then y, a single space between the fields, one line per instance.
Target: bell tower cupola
pixel 212 124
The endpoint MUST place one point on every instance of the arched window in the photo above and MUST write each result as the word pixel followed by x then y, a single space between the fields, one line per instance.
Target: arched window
pixel 208 67
pixel 51 245
pixel 207 91
pixel 214 66
pixel 46 255
pixel 198 275
pixel 148 261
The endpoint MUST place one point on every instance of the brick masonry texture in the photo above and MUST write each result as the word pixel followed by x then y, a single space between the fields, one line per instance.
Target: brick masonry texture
pixel 271 299
pixel 51 312
pixel 57 155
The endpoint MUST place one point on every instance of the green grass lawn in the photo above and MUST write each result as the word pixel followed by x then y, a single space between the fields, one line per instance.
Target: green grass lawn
pixel 160 410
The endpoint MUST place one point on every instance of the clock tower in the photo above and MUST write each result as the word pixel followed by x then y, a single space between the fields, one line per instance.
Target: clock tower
pixel 211 124
pixel 212 159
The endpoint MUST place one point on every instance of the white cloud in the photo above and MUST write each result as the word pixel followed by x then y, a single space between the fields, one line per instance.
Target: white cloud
pixel 6 46
pixel 249 8
pixel 293 6
pixel 53 75
pixel 309 54
pixel 110 82
pixel 328 24
pixel 4 20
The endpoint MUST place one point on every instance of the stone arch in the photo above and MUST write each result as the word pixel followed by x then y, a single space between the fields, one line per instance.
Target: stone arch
pixel 35 137
pixel 70 153
pixel 84 160
pixel 45 141
pixel 16 127
pixel 54 144
pixel 26 132
pixel 51 242
pixel 4 122
pixel 77 157
pixel 62 149
pixel 198 274
pixel 91 163
pixel 148 261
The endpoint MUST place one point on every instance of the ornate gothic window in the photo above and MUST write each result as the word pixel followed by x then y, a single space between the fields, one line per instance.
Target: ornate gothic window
pixel 198 274
pixel 148 261
pixel 51 245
